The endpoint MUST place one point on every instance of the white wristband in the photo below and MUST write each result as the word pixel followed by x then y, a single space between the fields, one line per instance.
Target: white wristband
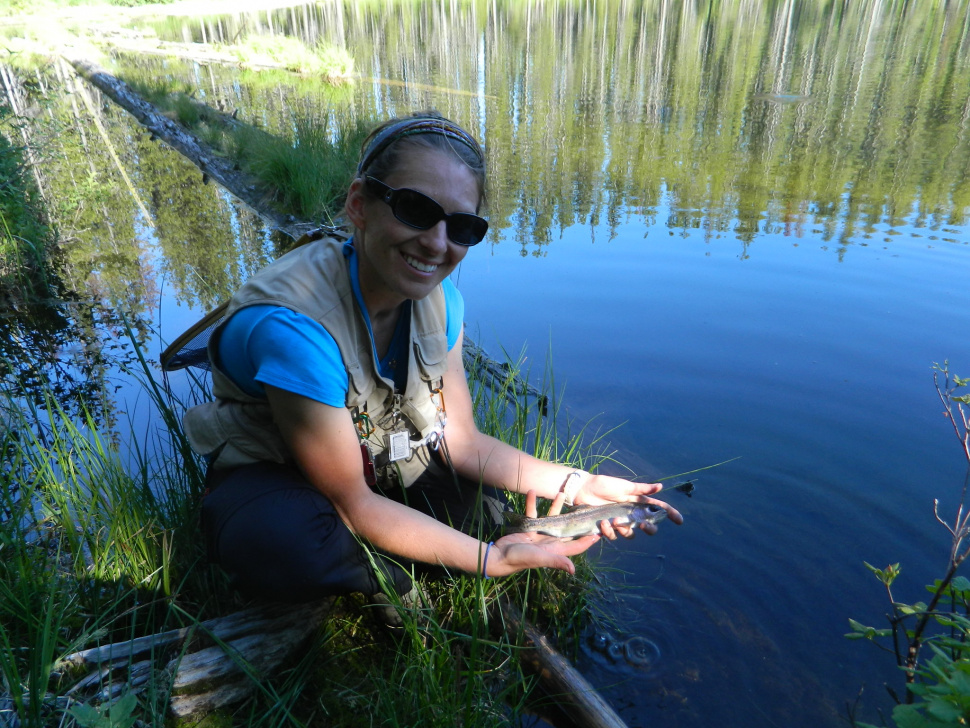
pixel 572 485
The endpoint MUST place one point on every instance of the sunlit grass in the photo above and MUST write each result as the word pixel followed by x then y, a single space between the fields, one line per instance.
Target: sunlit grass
pixel 331 63
pixel 309 174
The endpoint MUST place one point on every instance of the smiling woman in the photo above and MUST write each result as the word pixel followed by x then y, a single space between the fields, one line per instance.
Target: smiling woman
pixel 331 374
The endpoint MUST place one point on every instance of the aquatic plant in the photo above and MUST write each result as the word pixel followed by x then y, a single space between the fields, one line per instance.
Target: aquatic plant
pixel 309 174
pixel 937 692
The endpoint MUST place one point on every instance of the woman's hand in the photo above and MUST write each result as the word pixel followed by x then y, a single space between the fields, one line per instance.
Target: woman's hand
pixel 598 490
pixel 518 551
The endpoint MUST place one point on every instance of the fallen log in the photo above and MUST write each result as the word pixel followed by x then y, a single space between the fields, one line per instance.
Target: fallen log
pixel 211 665
pixel 220 170
pixel 585 706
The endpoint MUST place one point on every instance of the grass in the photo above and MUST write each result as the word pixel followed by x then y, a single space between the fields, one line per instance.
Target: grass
pixel 306 175
pixel 331 63
pixel 94 552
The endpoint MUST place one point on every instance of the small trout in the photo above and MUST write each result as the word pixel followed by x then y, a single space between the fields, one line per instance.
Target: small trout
pixel 585 519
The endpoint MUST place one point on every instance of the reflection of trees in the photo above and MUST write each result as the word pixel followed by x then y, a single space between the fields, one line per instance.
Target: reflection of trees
pixel 755 116
pixel 192 225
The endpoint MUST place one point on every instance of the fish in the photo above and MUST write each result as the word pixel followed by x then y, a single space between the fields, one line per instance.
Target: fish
pixel 584 520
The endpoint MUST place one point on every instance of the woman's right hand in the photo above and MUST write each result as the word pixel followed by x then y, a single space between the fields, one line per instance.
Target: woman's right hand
pixel 519 551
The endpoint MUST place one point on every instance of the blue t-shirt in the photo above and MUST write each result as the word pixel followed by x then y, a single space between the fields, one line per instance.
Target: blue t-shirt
pixel 273 345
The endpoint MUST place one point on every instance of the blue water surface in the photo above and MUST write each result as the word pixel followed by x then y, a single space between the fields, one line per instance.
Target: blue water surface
pixel 811 365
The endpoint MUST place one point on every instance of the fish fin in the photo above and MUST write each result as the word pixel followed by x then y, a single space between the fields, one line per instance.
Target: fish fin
pixel 513 519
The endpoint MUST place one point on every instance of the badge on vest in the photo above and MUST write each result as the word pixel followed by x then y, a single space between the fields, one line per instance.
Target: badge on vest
pixel 398 445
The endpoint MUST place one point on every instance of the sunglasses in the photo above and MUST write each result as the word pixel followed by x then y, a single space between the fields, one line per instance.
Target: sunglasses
pixel 419 211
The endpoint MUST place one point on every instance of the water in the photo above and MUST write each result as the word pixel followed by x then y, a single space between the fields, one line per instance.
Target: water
pixel 816 373
pixel 743 236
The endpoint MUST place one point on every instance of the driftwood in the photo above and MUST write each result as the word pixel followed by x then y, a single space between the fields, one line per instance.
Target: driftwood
pixel 219 662
pixel 211 665
pixel 585 706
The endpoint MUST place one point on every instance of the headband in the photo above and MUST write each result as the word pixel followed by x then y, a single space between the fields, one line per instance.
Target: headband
pixel 416 125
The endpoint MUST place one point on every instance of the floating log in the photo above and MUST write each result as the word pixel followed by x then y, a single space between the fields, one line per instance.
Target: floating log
pixel 586 707
pixel 500 376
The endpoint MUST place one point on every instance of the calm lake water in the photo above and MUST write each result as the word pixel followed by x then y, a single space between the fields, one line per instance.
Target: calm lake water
pixel 741 230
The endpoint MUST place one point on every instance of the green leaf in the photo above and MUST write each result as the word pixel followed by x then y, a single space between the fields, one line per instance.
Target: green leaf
pixel 908 716
pixel 85 715
pixel 961 583
pixel 964 399
pixel 944 710
pixel 887 576
pixel 864 632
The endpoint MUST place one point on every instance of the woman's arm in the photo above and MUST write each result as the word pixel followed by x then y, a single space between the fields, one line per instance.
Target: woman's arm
pixel 325 445
pixel 480 457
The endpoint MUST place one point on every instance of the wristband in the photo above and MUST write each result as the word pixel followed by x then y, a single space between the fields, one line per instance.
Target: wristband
pixel 485 560
pixel 572 485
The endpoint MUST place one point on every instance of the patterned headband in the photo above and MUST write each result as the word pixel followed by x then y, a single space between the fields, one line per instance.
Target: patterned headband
pixel 409 127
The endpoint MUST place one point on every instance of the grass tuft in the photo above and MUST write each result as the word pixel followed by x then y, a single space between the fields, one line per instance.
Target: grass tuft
pixel 333 64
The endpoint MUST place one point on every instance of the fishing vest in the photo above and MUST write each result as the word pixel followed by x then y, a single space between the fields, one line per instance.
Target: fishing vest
pixel 395 430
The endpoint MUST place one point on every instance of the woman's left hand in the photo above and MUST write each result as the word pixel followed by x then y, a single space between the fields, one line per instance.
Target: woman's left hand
pixel 598 490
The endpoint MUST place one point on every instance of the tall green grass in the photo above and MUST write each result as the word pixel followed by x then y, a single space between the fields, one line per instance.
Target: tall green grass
pixel 308 174
pixel 95 550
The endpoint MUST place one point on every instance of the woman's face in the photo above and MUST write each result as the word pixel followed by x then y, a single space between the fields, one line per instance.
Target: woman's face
pixel 398 262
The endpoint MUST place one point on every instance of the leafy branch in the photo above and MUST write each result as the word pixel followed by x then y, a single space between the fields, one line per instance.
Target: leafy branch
pixel 943 685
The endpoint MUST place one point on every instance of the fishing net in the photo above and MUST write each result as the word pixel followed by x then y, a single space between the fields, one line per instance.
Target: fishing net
pixel 191 348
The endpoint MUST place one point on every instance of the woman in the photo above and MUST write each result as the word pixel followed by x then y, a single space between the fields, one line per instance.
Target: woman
pixel 342 411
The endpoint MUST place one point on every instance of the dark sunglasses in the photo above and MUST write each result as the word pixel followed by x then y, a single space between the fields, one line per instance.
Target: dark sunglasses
pixel 419 211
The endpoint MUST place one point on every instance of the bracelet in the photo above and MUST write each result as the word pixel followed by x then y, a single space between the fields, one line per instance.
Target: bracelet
pixel 485 560
pixel 572 485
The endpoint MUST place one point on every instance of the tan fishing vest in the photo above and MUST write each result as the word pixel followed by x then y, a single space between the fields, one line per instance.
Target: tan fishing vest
pixel 314 280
